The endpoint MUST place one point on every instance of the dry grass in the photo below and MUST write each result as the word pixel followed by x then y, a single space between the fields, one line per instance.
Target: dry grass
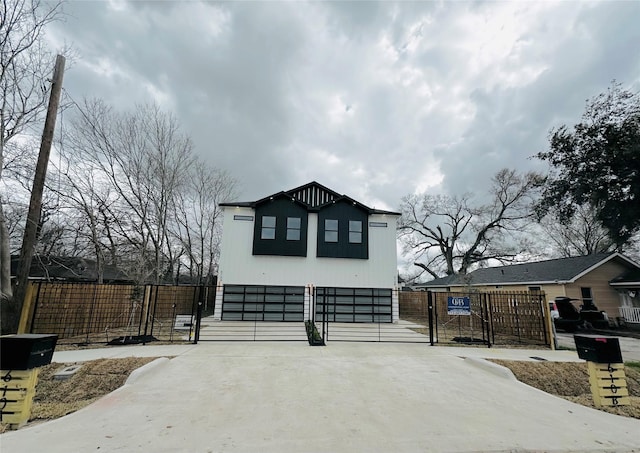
pixel 571 381
pixel 56 398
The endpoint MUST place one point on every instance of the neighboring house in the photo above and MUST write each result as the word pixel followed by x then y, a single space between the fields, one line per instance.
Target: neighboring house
pixel 309 246
pixel 70 269
pixel 610 280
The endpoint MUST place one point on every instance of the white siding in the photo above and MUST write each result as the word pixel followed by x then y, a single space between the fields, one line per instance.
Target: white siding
pixel 239 266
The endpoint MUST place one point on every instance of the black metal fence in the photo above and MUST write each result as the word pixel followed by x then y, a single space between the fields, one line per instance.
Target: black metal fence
pixel 88 313
pixel 503 318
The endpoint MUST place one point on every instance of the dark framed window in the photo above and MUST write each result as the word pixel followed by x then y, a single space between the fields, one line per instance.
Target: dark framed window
pixel 268 227
pixel 355 232
pixel 587 298
pixel 330 230
pixel 294 225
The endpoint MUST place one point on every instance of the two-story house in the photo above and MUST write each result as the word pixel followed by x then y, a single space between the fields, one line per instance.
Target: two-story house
pixel 309 247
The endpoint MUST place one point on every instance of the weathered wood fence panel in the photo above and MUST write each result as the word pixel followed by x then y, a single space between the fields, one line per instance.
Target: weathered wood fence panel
pixel 496 317
pixel 89 312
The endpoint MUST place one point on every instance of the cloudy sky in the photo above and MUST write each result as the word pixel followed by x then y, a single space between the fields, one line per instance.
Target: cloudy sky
pixel 374 100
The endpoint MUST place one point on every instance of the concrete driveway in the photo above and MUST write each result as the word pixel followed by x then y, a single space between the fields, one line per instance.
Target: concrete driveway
pixel 346 397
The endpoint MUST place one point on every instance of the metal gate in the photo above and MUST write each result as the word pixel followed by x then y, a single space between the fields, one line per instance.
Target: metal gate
pixel 353 305
pixel 361 315
pixel 256 313
pixel 364 315
pixel 505 318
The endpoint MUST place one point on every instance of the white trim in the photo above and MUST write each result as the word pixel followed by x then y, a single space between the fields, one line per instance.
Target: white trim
pixel 625 284
pixel 532 282
pixel 217 311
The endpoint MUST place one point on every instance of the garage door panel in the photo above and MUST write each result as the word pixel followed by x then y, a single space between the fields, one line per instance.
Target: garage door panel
pixel 273 316
pixel 294 316
pixel 263 303
pixel 363 318
pixel 230 316
pixel 354 304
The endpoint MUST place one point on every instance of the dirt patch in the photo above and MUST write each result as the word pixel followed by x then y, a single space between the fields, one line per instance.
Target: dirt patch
pixel 56 398
pixel 571 382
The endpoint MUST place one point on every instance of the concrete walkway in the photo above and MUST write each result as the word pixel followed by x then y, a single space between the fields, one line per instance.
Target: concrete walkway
pixel 346 397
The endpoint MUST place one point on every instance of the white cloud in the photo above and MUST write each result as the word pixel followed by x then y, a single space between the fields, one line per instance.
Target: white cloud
pixel 375 100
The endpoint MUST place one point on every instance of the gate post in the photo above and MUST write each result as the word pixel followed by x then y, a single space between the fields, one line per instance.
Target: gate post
pixel 28 308
pixel 485 319
pixel 146 307
pixel 196 333
pixel 430 307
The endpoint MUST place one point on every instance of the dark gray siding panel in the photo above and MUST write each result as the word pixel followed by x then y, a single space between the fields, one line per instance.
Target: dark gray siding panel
pixel 281 209
pixel 343 211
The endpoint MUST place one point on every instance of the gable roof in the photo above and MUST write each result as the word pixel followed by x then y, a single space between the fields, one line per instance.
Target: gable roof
pixel 314 196
pixel 561 270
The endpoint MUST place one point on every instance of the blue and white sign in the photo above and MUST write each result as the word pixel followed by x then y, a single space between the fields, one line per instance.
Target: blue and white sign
pixel 458 306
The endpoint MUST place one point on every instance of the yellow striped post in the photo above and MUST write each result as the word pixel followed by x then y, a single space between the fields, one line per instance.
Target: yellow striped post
pixel 17 389
pixel 608 384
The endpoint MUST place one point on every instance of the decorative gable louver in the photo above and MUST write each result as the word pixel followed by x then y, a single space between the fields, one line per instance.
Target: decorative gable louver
pixel 313 195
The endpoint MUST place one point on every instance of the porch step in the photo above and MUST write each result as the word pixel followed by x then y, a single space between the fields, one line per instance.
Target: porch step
pixel 211 330
pixel 385 332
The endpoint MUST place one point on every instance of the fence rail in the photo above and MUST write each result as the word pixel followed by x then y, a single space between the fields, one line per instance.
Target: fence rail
pixel 507 318
pixel 93 313
pixel 83 313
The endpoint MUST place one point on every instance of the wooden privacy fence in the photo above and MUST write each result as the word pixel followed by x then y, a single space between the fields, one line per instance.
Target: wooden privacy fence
pixel 93 313
pixel 494 317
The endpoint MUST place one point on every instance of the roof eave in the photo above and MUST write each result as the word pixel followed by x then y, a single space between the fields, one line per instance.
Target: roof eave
pixel 532 282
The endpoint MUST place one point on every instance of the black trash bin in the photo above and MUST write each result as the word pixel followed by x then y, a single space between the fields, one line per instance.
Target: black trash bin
pixel 568 315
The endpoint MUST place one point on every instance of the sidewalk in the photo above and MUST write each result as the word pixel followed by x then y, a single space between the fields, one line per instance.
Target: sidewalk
pixel 118 352
pixel 346 397
pixel 174 350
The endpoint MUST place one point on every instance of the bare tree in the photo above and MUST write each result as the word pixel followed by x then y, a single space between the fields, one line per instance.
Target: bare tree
pixel 24 68
pixel 145 159
pixel 198 218
pixel 583 234
pixel 85 197
pixel 449 234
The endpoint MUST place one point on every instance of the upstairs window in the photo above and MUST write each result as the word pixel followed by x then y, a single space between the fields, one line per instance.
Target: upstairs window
pixel 268 227
pixel 342 231
pixel 330 230
pixel 293 228
pixel 355 232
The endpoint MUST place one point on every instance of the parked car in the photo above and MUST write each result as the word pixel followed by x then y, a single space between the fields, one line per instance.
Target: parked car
pixel 571 319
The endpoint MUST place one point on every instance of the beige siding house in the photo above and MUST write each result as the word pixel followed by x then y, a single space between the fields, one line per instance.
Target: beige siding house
pixel 611 281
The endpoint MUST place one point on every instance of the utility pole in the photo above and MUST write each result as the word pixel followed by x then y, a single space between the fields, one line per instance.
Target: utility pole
pixel 35 204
